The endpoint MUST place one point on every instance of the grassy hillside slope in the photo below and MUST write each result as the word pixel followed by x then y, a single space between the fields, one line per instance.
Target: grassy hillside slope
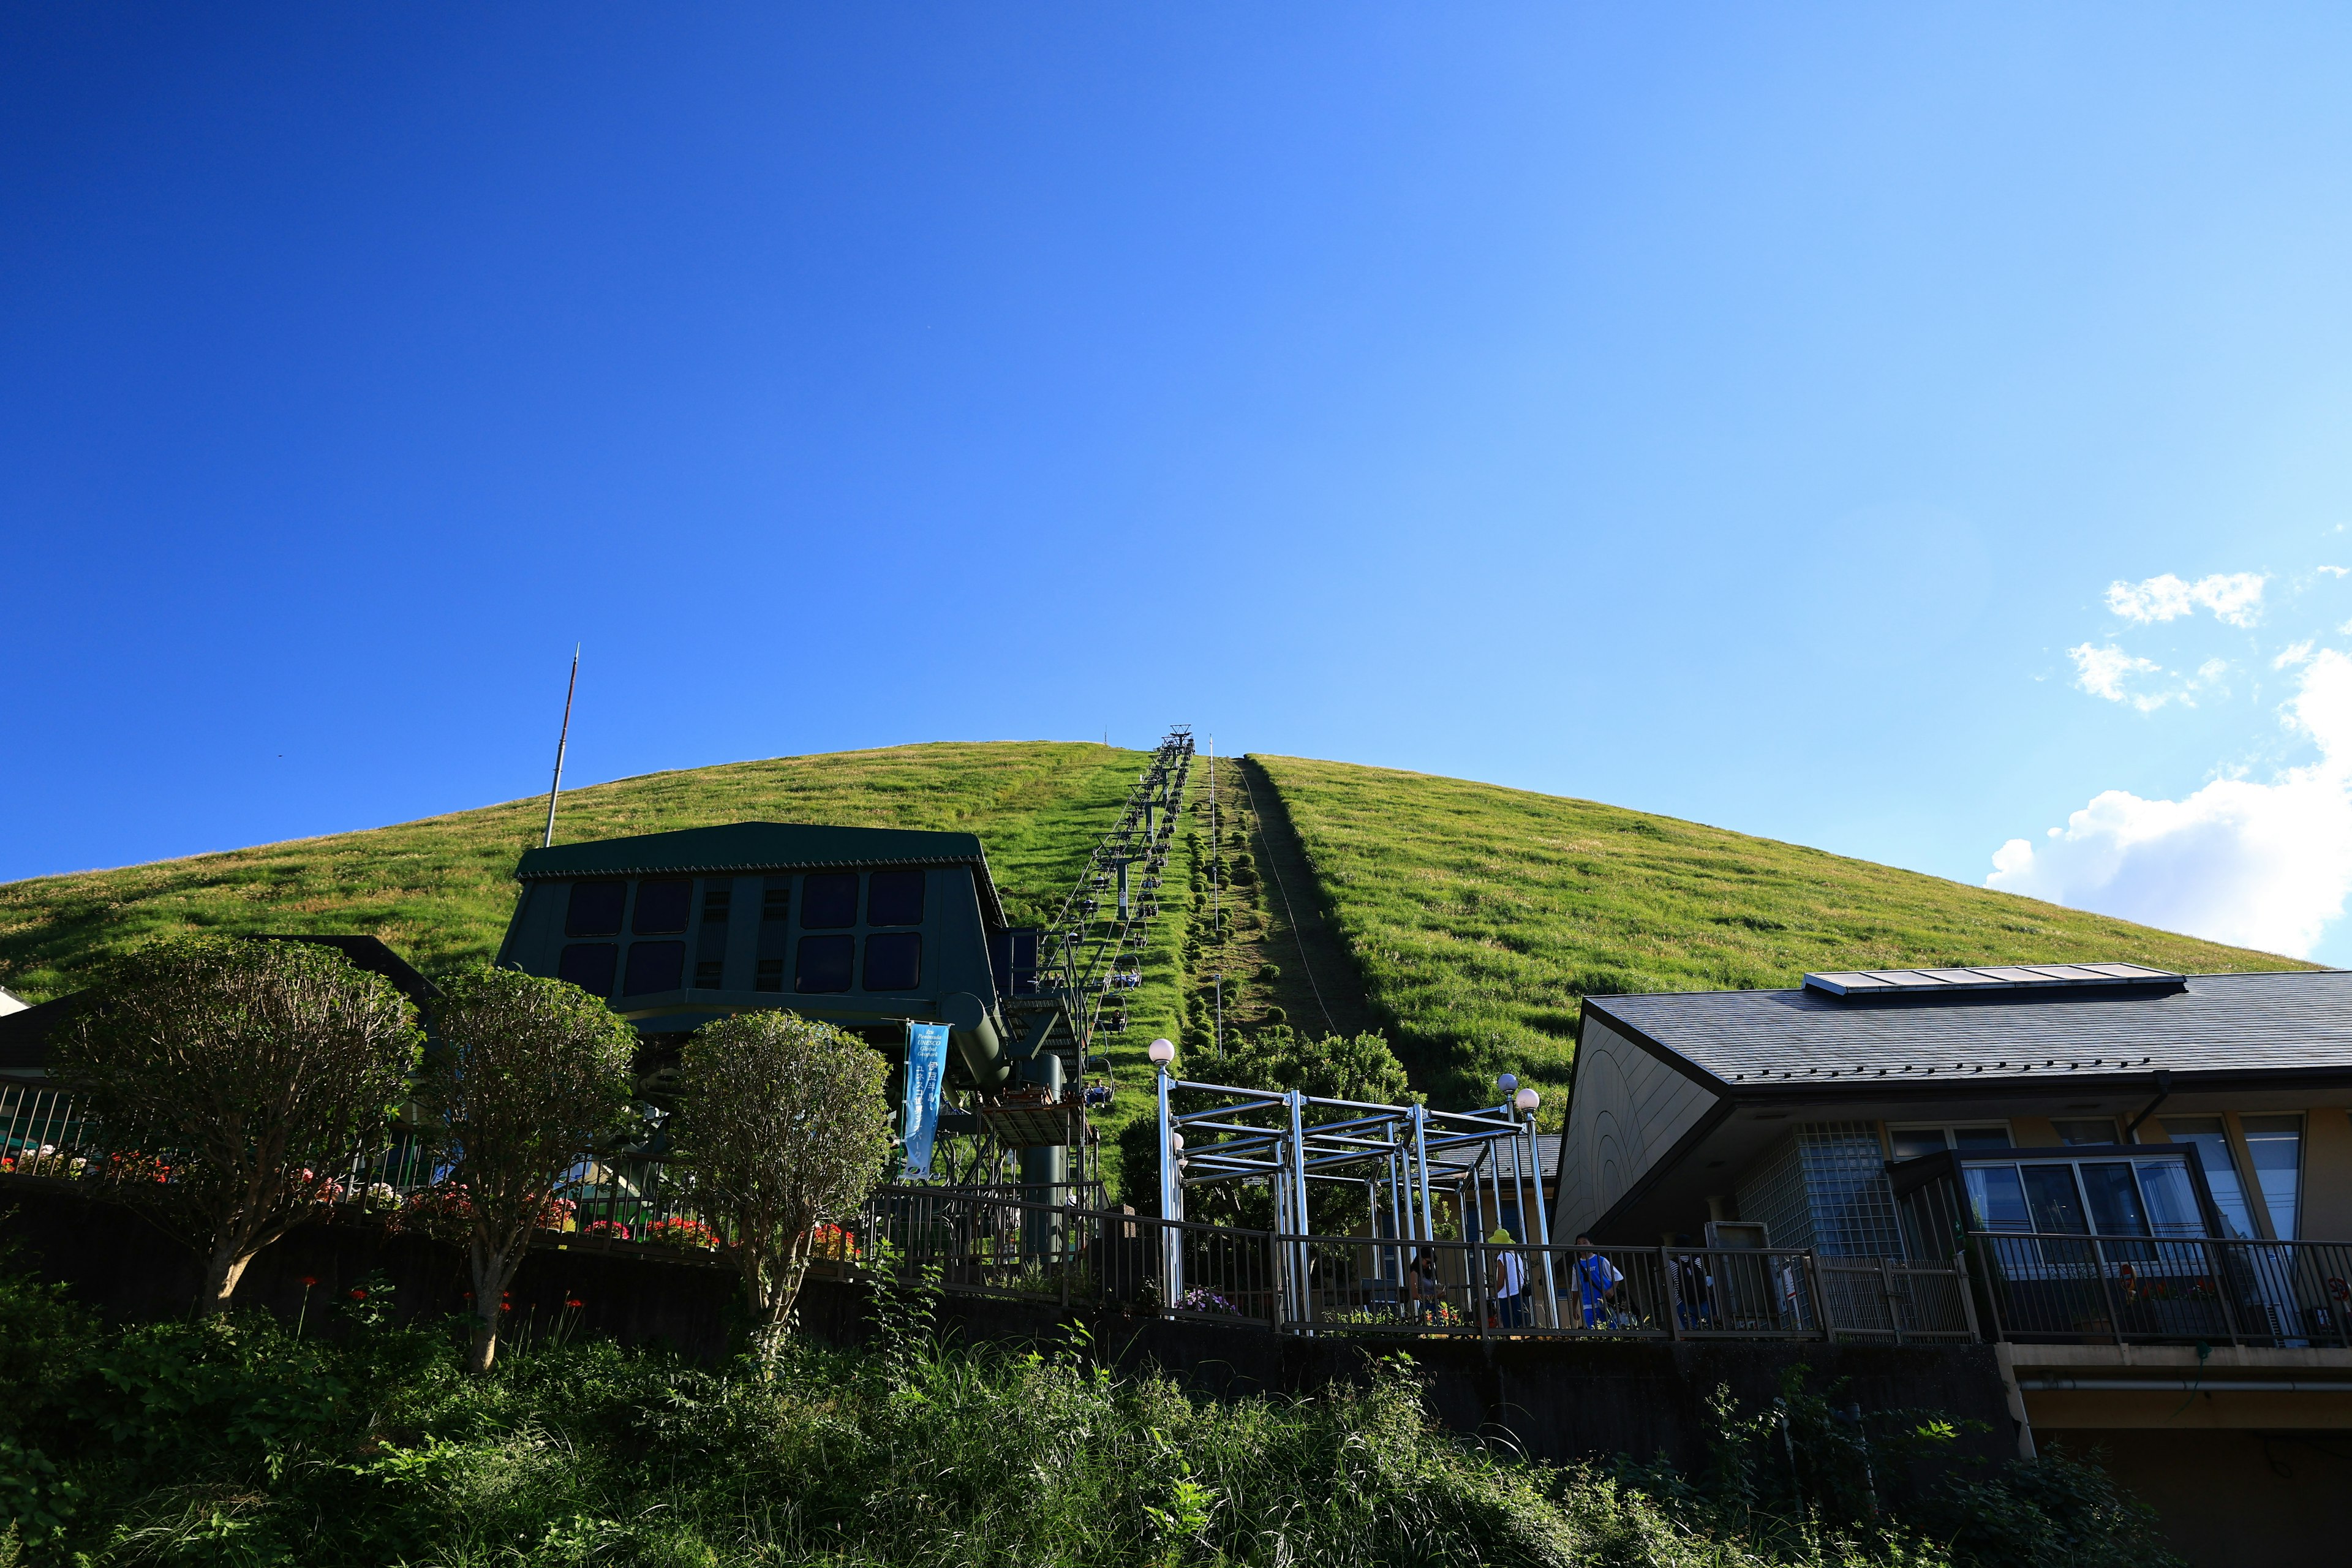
pixel 439 891
pixel 1478 915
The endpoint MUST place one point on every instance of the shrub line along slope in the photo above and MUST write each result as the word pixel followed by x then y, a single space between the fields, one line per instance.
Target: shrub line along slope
pixel 1477 916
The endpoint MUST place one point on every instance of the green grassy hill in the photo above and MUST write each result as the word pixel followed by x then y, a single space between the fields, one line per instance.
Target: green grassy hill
pixel 1464 918
pixel 439 890
pixel 1477 915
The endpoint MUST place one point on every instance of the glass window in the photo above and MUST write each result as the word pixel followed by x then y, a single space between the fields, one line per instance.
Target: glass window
pixel 1997 1198
pixel 588 966
pixel 1910 1142
pixel 825 962
pixel 829 901
pixel 770 975
pixel 2171 1198
pixel 2102 1130
pixel 596 909
pixel 708 973
pixel 893 899
pixel 2275 1145
pixel 894 961
pixel 2116 1208
pixel 717 897
pixel 662 907
pixel 1980 1137
pixel 776 898
pixel 655 966
pixel 2050 1194
pixel 2213 1146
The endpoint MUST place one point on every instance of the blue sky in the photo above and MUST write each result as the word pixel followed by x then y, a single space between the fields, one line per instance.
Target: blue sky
pixel 1740 412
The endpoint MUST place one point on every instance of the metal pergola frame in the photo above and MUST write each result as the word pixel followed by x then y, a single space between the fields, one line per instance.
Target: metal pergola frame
pixel 1404 1145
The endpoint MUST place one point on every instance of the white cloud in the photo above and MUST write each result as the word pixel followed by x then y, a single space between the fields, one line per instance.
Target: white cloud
pixel 2337 571
pixel 2260 865
pixel 2235 597
pixel 2294 653
pixel 2102 671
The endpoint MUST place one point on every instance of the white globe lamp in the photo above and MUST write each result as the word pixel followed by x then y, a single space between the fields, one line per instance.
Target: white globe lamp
pixel 1527 1100
pixel 1163 1051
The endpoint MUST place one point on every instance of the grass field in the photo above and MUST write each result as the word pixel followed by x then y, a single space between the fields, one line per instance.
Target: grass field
pixel 439 889
pixel 1478 915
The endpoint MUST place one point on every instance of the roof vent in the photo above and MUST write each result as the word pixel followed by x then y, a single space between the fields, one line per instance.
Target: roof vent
pixel 2017 977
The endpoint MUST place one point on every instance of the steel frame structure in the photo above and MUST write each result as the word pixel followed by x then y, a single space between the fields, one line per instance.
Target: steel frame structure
pixel 1286 1139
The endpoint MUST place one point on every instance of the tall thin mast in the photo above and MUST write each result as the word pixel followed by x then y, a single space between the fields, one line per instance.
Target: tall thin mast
pixel 562 737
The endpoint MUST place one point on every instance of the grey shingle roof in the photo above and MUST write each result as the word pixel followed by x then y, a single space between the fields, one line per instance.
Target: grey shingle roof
pixel 2298 1020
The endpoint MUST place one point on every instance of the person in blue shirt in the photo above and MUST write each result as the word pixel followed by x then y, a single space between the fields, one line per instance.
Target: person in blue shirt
pixel 1596 1281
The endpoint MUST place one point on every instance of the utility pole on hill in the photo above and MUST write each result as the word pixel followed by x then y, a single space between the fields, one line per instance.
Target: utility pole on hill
pixel 562 737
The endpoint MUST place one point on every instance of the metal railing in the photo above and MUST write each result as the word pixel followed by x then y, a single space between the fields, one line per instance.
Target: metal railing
pixel 2055 1288
pixel 980 1244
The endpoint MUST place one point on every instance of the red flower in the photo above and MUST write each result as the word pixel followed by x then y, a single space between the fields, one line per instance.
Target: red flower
pixel 573 1301
pixel 307 1282
pixel 359 1295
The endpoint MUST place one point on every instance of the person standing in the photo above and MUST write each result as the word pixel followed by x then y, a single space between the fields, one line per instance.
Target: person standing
pixel 1508 1282
pixel 1596 1282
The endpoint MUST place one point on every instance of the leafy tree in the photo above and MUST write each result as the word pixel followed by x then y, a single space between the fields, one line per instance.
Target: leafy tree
pixel 533 1078
pixel 784 1125
pixel 236 1081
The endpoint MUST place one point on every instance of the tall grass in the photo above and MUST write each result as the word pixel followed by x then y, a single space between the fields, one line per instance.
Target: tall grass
pixel 1478 915
pixel 234 1442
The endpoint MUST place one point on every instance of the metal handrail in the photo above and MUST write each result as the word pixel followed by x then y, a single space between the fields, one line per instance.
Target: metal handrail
pixel 2065 1286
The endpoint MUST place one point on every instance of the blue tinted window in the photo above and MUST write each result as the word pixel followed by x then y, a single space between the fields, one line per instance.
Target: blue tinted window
pixel 588 966
pixel 596 909
pixel 829 901
pixel 655 966
pixel 893 899
pixel 770 977
pixel 662 905
pixel 894 961
pixel 825 962
pixel 709 973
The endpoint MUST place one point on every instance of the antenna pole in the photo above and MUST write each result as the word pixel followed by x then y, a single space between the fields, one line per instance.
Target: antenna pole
pixel 562 737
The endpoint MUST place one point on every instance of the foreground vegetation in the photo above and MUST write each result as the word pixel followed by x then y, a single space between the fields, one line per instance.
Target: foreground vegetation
pixel 1478 915
pixel 233 1441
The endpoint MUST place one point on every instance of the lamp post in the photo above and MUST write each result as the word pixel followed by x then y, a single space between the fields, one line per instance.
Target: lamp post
pixel 1524 1103
pixel 1172 1190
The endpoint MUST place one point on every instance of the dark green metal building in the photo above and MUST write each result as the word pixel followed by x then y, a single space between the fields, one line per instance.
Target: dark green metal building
pixel 857 926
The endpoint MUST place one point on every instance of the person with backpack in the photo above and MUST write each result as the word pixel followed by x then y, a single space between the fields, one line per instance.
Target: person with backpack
pixel 1596 1280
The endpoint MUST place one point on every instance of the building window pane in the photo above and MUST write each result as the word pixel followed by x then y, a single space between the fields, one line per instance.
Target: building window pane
pixel 588 966
pixel 770 975
pixel 717 899
pixel 662 907
pixel 893 899
pixel 2220 1169
pixel 829 901
pixel 776 900
pixel 2050 1192
pixel 2275 1143
pixel 894 961
pixel 655 966
pixel 1910 1142
pixel 2115 1199
pixel 1980 1137
pixel 2071 1133
pixel 825 962
pixel 596 909
pixel 708 973
pixel 2172 1200
pixel 1997 1199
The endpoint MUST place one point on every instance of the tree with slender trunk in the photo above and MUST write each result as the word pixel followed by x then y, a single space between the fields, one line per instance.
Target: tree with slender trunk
pixel 235 1083
pixel 784 1125
pixel 532 1077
